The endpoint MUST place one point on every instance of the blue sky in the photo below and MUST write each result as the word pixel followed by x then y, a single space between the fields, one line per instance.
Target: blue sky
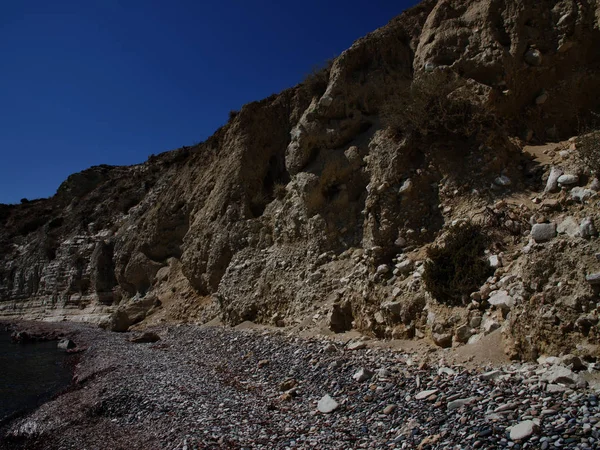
pixel 110 82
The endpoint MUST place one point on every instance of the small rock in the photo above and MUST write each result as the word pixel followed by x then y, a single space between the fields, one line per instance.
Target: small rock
pixel 552 183
pixel 495 261
pixel 523 430
pixel 356 345
pixel 327 404
pixel 533 57
pixel 262 363
pixel 405 266
pixel 66 344
pixel 580 194
pixel 559 375
pixel 569 227
pixel 443 340
pixel 543 232
pixel 463 333
pixel 475 321
pixel 593 279
pixel 455 404
pixel 406 187
pixel 362 375
pixel 587 228
pixel 595 186
pixel 145 337
pixel 502 300
pixel 568 179
pixel 426 394
pixel 490 325
pixel 542 98
pixel 389 409
pixel 502 180
pixel 383 269
pixel 288 384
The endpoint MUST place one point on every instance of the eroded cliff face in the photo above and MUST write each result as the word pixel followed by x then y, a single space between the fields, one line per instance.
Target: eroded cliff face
pixel 311 205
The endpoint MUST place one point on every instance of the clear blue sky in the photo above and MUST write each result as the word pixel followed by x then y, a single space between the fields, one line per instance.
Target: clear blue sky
pixel 87 82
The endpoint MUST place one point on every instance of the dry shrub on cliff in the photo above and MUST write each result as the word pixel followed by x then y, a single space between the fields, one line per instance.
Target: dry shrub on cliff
pixel 589 145
pixel 457 268
pixel 439 104
pixel 315 83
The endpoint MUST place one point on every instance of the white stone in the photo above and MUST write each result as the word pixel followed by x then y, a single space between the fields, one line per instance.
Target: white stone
pixel 568 179
pixel 552 183
pixel 569 227
pixel 501 299
pixel 406 187
pixel 362 375
pixel 523 430
pixel 405 266
pixel 559 375
pixel 495 261
pixel 581 194
pixel 383 269
pixel 327 405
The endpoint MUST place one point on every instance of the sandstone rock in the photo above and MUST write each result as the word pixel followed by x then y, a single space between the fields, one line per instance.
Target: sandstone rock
pixel 463 333
pixel 475 321
pixel 542 98
pixel 443 340
pixel 523 430
pixel 327 404
pixel 389 409
pixel 145 337
pixel 119 321
pixel 288 384
pixel 543 232
pixel 489 325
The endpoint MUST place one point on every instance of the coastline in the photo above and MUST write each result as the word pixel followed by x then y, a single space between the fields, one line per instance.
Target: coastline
pixel 215 387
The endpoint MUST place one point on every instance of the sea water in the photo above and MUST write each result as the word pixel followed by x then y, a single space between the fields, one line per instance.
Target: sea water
pixel 29 374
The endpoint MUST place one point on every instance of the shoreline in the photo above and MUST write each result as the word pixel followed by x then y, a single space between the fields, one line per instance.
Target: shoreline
pixel 215 387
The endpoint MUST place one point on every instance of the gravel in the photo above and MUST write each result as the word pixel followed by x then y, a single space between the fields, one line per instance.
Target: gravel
pixel 211 388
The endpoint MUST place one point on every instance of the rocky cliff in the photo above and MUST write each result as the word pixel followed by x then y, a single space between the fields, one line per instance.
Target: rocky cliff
pixel 331 203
